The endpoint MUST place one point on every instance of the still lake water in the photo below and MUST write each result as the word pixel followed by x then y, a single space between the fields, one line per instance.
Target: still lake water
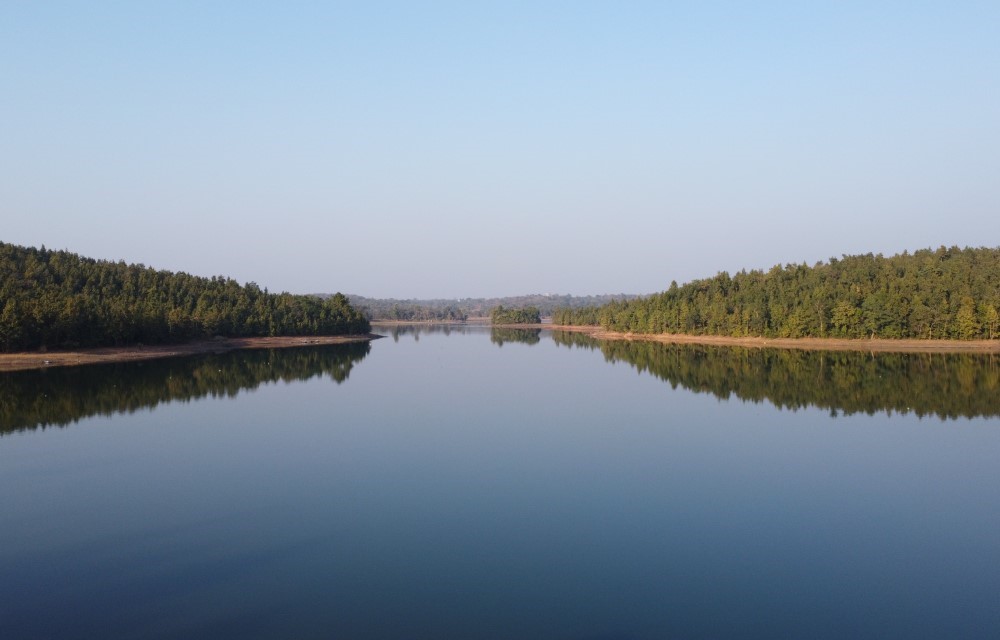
pixel 473 484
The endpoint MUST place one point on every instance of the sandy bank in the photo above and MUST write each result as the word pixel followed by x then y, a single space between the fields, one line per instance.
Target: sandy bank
pixel 36 360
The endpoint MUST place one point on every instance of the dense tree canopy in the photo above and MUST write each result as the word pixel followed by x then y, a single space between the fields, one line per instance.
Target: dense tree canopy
pixel 944 293
pixel 58 299
pixel 526 315
pixel 402 311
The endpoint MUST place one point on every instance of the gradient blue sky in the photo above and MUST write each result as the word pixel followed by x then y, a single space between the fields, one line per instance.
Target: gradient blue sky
pixel 473 149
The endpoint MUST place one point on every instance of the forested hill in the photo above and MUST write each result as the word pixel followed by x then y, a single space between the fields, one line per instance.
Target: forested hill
pixel 943 293
pixel 57 299
pixel 464 308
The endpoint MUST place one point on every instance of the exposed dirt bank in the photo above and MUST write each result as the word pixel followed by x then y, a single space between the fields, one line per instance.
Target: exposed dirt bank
pixel 808 344
pixel 37 360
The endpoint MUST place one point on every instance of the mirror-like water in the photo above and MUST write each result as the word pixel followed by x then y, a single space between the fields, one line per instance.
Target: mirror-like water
pixel 475 484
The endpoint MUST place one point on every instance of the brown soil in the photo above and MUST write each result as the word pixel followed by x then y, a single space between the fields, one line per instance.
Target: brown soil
pixel 809 344
pixel 37 360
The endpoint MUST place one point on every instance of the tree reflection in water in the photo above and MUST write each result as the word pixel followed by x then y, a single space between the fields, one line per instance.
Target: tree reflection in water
pixel 955 385
pixel 397 331
pixel 525 336
pixel 64 395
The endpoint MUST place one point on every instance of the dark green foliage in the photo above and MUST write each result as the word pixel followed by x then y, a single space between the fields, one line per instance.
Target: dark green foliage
pixel 64 395
pixel 527 315
pixel 499 336
pixel 948 293
pixel 926 384
pixel 582 316
pixel 56 299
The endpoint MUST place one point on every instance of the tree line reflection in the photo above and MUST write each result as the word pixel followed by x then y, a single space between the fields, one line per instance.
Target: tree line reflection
pixel 948 386
pixel 499 336
pixel 397 331
pixel 926 384
pixel 65 395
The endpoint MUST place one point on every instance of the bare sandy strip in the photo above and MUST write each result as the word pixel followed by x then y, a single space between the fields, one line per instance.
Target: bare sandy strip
pixel 37 360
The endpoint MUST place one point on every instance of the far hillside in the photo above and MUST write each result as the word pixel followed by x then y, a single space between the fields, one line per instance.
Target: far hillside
pixel 58 299
pixel 947 293
pixel 460 309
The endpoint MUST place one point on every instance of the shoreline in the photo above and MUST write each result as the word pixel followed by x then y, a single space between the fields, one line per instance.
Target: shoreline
pixel 881 345
pixel 873 345
pixel 24 360
pixel 403 323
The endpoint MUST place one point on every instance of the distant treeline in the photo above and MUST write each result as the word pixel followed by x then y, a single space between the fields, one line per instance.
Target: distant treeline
pixel 524 315
pixel 462 309
pixel 64 395
pixel 943 293
pixel 58 299
pixel 848 382
pixel 409 311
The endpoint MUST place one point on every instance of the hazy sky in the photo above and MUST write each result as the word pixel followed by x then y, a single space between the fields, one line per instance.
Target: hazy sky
pixel 460 149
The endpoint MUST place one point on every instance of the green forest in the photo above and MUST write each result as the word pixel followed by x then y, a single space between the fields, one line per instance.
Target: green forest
pixel 402 311
pixel 947 293
pixel 525 315
pixel 57 299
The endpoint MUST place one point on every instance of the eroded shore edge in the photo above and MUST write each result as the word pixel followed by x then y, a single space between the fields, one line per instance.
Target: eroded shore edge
pixel 37 360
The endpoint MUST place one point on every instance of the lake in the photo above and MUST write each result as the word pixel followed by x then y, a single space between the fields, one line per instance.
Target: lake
pixel 468 483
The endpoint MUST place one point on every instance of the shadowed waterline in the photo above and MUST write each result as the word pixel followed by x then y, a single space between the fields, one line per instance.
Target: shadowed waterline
pixel 60 397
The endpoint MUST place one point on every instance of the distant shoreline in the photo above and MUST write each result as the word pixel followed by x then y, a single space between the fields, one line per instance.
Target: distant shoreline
pixel 882 345
pixel 38 360
pixel 403 323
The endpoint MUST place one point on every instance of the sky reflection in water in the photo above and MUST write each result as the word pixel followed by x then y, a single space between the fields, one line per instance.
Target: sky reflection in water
pixel 463 483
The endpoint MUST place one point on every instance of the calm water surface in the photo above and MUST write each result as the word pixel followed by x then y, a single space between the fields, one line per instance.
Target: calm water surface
pixel 478 484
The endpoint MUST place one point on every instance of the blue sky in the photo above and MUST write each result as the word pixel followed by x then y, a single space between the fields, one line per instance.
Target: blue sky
pixel 475 149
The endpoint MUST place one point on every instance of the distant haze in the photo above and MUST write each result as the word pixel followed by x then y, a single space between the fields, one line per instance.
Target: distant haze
pixel 449 150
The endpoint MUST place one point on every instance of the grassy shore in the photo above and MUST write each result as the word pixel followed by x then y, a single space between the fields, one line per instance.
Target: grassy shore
pixel 37 359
